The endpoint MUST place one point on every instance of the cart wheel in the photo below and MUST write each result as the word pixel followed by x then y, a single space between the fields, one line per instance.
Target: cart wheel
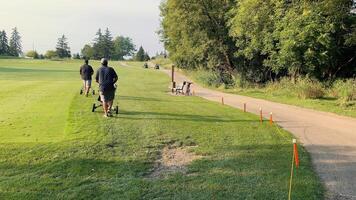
pixel 117 110
pixel 93 109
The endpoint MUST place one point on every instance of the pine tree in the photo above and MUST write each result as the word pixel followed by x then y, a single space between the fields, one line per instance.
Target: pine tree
pixel 108 44
pixel 4 46
pixel 15 46
pixel 98 45
pixel 62 48
pixel 140 55
pixel 146 57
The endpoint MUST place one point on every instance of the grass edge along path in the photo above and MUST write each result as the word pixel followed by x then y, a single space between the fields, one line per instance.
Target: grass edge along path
pixel 322 104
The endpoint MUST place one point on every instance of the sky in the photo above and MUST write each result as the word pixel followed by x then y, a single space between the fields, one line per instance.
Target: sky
pixel 42 22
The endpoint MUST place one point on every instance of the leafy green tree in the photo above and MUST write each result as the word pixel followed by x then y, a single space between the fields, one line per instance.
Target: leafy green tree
pixel 87 51
pixel 32 54
pixel 62 48
pixel 196 33
pixel 50 54
pixel 123 47
pixel 4 46
pixel 15 46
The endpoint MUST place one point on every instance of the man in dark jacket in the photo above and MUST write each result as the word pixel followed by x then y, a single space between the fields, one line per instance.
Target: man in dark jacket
pixel 86 72
pixel 106 77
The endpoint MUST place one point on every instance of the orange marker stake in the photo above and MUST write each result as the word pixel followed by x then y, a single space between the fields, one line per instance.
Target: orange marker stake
pixel 222 101
pixel 244 107
pixel 271 119
pixel 295 159
pixel 261 117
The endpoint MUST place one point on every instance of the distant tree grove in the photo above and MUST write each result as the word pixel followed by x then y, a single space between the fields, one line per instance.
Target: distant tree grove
pixel 12 46
pixel 106 46
pixel 262 40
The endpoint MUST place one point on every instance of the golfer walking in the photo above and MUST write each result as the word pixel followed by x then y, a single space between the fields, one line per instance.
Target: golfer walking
pixel 86 72
pixel 106 77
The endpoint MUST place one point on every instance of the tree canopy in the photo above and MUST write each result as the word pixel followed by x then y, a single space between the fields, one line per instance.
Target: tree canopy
pixel 262 40
pixel 106 47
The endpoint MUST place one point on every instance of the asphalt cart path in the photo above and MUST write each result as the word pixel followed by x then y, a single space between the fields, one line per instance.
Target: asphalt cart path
pixel 329 138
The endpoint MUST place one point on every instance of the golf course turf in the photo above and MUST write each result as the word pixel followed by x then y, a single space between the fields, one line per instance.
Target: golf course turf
pixel 53 147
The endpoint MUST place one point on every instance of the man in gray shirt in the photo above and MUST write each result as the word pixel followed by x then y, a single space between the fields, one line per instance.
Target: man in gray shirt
pixel 106 77
pixel 86 72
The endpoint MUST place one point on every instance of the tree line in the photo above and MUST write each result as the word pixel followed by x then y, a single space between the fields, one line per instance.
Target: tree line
pixel 262 40
pixel 12 46
pixel 104 46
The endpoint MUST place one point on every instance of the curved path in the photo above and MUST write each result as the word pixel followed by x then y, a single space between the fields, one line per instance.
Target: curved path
pixel 329 138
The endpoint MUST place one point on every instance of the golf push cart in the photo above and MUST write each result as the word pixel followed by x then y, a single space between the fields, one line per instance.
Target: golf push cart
pixel 114 109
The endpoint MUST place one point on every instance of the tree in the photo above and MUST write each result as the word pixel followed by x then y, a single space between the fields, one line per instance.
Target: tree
pixel 123 47
pixel 140 55
pixel 32 54
pixel 146 57
pixel 99 45
pixel 15 47
pixel 76 56
pixel 196 33
pixel 62 48
pixel 87 51
pixel 108 44
pixel 4 46
pixel 51 54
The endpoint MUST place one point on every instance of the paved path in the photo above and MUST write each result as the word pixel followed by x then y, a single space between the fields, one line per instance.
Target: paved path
pixel 329 138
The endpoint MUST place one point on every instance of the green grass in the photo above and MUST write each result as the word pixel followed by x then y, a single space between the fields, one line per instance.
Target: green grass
pixel 53 147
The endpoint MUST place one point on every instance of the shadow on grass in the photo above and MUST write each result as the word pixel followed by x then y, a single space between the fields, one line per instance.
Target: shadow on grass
pixel 25 70
pixel 175 117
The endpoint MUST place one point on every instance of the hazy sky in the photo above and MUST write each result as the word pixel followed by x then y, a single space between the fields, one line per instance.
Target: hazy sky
pixel 41 22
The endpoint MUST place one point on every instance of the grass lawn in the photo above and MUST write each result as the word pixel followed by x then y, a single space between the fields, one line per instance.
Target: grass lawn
pixel 53 147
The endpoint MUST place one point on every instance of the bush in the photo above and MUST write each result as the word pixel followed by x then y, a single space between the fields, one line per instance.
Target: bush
pixel 284 87
pixel 309 89
pixel 345 90
pixel 209 78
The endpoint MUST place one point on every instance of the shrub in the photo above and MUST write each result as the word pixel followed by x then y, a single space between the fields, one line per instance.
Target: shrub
pixel 284 87
pixel 345 90
pixel 309 89
pixel 209 78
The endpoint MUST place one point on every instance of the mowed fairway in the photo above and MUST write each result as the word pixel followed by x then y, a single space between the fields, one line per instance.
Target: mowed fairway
pixel 53 147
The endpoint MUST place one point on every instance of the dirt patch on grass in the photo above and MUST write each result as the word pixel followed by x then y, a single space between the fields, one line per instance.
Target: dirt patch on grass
pixel 173 159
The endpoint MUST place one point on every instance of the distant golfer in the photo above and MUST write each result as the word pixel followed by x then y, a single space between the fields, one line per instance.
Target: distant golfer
pixel 86 72
pixel 106 77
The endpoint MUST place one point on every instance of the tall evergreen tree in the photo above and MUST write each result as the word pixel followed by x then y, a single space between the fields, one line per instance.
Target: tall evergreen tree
pixel 4 46
pixel 99 45
pixel 108 44
pixel 62 48
pixel 140 55
pixel 147 57
pixel 15 46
